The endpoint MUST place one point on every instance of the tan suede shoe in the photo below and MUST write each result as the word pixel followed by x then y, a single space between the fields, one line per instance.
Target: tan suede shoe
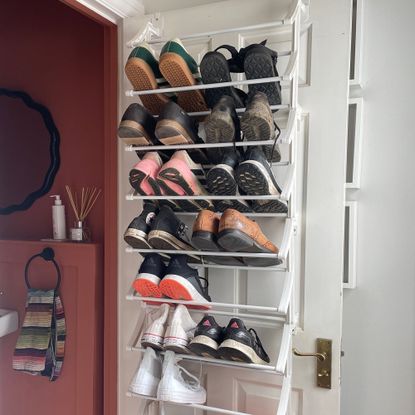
pixel 237 233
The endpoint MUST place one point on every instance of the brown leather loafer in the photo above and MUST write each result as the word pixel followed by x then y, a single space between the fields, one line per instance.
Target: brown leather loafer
pixel 204 237
pixel 239 234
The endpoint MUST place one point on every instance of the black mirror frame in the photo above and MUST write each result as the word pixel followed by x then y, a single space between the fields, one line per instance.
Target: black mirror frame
pixel 53 151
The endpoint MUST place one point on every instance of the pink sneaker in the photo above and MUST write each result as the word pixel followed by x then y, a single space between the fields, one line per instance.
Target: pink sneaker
pixel 176 177
pixel 143 175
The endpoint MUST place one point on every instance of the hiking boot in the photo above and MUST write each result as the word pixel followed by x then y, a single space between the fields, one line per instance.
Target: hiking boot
pixel 257 123
pixel 142 70
pixel 180 69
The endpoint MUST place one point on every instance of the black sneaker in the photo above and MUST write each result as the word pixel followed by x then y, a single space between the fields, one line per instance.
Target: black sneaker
pixel 242 345
pixel 222 126
pixel 148 278
pixel 221 181
pixel 137 232
pixel 169 232
pixel 257 123
pixel 182 282
pixel 174 126
pixel 254 176
pixel 137 127
pixel 207 338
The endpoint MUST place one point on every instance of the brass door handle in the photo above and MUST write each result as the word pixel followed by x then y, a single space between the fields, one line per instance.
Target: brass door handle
pixel 320 356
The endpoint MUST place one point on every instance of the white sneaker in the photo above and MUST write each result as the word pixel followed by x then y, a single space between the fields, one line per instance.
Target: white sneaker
pixel 154 327
pixel 148 375
pixel 180 330
pixel 174 388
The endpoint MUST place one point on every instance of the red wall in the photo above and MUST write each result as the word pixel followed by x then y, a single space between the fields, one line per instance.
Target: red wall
pixel 55 54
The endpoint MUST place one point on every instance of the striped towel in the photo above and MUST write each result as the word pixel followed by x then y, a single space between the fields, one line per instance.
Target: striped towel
pixel 40 347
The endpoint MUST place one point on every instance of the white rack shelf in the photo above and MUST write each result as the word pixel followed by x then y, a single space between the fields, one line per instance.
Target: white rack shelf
pixel 282 407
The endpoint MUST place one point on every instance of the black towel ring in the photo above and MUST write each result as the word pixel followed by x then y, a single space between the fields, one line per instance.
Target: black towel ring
pixel 47 254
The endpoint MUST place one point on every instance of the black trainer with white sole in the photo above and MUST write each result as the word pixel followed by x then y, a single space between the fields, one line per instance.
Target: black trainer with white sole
pixel 254 176
pixel 169 232
pixel 137 232
pixel 182 282
pixel 207 338
pixel 242 345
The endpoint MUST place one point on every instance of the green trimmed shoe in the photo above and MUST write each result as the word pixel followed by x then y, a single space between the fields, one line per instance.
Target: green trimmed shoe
pixel 180 69
pixel 142 70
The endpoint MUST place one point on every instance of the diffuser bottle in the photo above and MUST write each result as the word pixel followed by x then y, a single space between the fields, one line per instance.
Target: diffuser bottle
pixel 58 219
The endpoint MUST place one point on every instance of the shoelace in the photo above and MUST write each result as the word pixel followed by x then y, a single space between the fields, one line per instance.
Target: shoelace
pixel 258 341
pixel 277 136
pixel 194 384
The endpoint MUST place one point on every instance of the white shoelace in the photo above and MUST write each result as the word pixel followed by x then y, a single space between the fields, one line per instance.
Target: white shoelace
pixel 192 385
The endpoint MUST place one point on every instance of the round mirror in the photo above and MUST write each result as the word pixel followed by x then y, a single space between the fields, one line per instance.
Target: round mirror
pixel 29 156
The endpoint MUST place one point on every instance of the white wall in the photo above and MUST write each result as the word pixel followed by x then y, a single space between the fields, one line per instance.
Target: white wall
pixel 379 316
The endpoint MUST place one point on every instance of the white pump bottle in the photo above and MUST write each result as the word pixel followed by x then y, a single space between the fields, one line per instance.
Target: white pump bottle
pixel 58 218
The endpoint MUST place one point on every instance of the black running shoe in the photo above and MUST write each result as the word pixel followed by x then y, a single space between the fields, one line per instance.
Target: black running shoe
pixel 242 345
pixel 254 176
pixel 221 181
pixel 207 338
pixel 137 232
pixel 169 232
pixel 148 278
pixel 174 126
pixel 182 282
pixel 222 126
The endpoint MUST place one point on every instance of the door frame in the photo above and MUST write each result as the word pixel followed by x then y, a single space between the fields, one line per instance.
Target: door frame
pixel 109 380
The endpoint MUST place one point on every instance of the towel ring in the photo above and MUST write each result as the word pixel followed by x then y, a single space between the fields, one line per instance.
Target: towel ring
pixel 47 254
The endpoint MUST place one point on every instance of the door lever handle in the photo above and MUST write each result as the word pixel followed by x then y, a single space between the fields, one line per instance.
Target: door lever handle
pixel 320 356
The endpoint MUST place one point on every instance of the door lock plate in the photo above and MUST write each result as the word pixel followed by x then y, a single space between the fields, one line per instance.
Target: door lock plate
pixel 324 347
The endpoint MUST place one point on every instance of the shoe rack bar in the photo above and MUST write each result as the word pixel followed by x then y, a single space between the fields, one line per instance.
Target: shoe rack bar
pixel 249 214
pixel 285 21
pixel 284 396
pixel 278 268
pixel 216 362
pixel 287 290
pixel 285 349
pixel 134 196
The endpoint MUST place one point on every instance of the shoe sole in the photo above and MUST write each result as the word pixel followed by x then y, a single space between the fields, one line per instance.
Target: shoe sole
pixel 178 288
pixel 260 65
pixel 175 70
pixel 142 78
pixel 164 240
pixel 154 341
pixel 175 176
pixel 235 240
pixel 254 179
pixel 214 68
pixel 204 346
pixel 221 181
pixel 255 127
pixel 136 239
pixel 219 128
pixel 147 285
pixel 144 389
pixel 239 352
pixel 133 133
pixel 170 132
pixel 169 394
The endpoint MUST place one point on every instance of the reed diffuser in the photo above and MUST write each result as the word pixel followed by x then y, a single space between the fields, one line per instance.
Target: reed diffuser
pixel 82 205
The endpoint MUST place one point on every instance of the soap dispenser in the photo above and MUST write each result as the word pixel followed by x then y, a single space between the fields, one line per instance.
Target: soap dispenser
pixel 58 219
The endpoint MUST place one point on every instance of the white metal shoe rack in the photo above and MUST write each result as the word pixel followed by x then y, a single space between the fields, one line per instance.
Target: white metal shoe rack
pixel 281 316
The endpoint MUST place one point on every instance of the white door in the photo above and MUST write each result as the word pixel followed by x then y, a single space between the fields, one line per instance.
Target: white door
pixel 316 304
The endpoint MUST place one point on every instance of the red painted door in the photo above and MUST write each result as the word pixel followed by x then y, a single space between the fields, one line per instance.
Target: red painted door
pixel 79 389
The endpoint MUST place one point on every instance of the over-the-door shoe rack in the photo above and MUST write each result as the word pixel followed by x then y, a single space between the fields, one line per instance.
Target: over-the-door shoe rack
pixel 281 316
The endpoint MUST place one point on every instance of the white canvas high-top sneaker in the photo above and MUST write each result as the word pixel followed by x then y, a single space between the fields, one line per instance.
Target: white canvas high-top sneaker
pixel 180 330
pixel 178 385
pixel 148 374
pixel 153 332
